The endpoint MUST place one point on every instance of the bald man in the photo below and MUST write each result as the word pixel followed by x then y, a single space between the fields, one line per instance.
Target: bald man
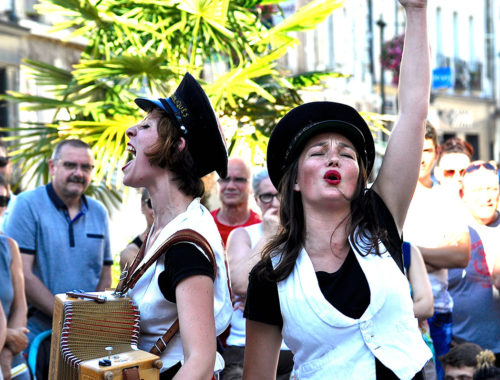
pixel 234 194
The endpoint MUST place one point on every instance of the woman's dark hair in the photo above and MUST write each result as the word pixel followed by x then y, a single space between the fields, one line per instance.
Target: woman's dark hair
pixel 166 154
pixel 290 238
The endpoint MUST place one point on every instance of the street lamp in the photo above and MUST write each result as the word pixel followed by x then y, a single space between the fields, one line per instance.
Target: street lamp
pixel 381 24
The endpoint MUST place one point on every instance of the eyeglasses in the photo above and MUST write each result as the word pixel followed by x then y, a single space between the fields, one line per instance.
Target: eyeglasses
pixel 267 197
pixel 4 161
pixel 450 173
pixel 4 200
pixel 148 203
pixel 236 180
pixel 473 167
pixel 69 165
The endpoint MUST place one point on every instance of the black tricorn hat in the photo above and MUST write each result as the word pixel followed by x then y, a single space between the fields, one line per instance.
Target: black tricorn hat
pixel 301 123
pixel 193 113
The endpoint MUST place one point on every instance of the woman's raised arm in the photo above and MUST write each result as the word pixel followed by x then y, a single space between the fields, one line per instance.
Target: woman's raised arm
pixel 399 172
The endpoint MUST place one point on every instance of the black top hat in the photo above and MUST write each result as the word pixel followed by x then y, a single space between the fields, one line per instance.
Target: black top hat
pixel 301 123
pixel 192 112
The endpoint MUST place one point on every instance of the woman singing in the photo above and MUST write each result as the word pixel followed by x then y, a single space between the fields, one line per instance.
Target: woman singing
pixel 177 143
pixel 330 283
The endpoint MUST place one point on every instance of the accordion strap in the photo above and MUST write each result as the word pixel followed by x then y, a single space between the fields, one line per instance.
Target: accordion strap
pixel 181 236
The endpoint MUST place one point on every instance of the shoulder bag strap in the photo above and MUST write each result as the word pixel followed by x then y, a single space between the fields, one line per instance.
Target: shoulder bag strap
pixel 182 236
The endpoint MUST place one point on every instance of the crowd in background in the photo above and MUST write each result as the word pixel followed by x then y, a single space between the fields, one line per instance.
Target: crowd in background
pixel 452 229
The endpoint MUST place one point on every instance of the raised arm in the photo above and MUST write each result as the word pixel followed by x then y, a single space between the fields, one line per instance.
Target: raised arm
pixel 399 171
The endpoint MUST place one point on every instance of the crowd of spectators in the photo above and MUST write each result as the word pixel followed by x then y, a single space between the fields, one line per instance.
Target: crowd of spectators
pixel 452 229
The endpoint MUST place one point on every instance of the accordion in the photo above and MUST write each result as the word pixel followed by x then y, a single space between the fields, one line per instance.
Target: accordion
pixel 98 340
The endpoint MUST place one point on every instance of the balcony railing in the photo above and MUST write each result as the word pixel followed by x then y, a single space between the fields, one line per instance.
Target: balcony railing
pixel 465 76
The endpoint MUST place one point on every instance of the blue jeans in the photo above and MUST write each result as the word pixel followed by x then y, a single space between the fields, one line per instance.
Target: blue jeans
pixel 440 328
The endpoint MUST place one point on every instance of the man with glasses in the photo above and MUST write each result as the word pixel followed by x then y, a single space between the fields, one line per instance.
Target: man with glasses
pixel 434 224
pixel 476 311
pixel 234 192
pixel 454 156
pixel 62 234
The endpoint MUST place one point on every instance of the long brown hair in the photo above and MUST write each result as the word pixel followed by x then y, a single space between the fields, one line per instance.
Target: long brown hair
pixel 363 225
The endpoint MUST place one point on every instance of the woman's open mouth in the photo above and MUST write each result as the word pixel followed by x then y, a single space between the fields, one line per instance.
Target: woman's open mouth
pixel 333 177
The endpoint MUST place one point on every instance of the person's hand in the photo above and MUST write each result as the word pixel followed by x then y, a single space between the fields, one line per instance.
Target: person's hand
pixel 6 362
pixel 16 339
pixel 270 221
pixel 413 3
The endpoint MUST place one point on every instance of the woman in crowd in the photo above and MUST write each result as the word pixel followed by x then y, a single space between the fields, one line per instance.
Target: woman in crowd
pixel 423 300
pixel 13 301
pixel 177 143
pixel 329 282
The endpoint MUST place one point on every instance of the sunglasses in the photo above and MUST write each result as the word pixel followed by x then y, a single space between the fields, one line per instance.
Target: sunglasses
pixel 148 203
pixel 4 200
pixel 268 197
pixel 450 173
pixel 4 161
pixel 474 167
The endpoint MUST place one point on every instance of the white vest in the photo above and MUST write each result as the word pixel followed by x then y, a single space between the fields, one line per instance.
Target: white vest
pixel 329 345
pixel 156 313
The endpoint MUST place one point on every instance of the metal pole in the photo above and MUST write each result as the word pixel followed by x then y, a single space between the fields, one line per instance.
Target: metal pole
pixel 381 24
pixel 370 41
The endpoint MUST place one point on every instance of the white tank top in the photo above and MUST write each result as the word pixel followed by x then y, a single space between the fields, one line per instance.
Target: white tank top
pixel 156 313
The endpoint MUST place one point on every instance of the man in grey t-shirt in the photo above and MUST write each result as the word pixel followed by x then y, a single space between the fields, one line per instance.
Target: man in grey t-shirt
pixel 476 314
pixel 63 235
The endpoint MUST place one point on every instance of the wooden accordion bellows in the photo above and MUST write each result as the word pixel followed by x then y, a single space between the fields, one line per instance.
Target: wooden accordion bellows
pixel 83 329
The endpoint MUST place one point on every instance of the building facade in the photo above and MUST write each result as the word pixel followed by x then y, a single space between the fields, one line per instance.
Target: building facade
pixel 464 61
pixel 26 35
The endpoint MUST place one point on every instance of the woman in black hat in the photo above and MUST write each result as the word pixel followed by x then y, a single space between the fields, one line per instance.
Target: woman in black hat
pixel 177 143
pixel 331 282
